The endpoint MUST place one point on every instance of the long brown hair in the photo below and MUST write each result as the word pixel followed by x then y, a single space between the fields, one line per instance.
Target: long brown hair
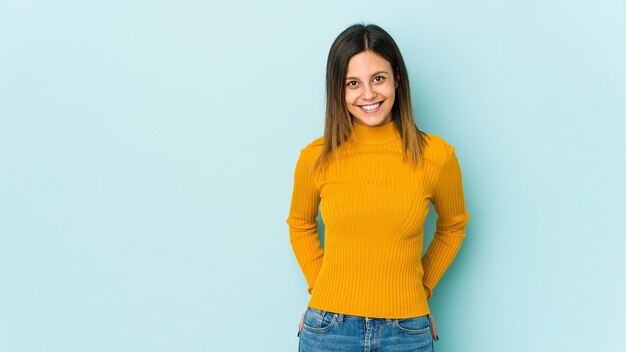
pixel 338 125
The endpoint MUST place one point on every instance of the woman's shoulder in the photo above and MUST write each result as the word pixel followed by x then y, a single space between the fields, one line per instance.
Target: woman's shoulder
pixel 312 149
pixel 314 146
pixel 437 148
pixel 317 142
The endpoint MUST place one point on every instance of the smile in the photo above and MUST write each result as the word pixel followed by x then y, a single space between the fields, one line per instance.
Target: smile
pixel 371 108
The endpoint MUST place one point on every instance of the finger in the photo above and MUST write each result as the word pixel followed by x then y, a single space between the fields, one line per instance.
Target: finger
pixel 300 325
pixel 433 329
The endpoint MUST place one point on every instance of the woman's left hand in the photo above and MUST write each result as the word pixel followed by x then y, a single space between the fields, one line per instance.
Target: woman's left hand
pixel 433 329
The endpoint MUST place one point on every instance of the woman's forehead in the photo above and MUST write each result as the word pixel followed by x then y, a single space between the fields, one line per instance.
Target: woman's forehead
pixel 367 63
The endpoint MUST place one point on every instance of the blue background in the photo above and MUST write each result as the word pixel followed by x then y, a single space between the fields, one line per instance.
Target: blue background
pixel 147 152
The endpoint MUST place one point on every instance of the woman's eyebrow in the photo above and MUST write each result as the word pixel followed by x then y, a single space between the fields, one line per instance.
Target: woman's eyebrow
pixel 373 74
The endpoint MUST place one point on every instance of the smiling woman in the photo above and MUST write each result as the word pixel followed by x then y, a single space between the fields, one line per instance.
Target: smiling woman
pixel 373 173
pixel 370 88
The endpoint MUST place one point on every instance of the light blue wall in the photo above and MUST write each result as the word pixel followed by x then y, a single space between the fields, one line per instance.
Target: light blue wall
pixel 147 151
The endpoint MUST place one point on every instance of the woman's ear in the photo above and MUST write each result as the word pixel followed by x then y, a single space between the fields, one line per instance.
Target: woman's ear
pixel 396 79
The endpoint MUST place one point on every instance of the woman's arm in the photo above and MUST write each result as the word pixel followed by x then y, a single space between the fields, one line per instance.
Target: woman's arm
pixel 452 218
pixel 302 220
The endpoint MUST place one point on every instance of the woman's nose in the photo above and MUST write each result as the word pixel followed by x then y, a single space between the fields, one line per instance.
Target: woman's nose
pixel 368 92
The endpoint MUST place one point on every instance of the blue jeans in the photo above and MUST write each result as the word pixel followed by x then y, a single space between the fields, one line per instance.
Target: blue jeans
pixel 327 331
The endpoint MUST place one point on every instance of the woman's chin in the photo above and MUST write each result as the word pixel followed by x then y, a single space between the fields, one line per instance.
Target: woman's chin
pixel 370 120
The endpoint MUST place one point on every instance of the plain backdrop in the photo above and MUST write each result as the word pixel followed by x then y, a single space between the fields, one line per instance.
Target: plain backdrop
pixel 147 151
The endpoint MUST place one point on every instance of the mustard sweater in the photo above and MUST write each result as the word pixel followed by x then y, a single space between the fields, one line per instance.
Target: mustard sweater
pixel 373 206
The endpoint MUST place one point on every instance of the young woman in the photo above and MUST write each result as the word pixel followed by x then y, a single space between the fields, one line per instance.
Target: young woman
pixel 372 174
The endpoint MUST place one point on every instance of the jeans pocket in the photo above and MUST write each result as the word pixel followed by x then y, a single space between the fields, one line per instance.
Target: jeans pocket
pixel 319 321
pixel 415 325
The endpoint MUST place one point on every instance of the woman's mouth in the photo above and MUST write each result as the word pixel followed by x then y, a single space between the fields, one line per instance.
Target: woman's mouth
pixel 372 108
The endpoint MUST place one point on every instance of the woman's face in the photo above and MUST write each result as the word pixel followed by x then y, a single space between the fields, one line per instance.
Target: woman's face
pixel 370 88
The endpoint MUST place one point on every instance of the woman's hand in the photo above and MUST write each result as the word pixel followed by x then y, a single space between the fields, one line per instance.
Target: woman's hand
pixel 433 331
pixel 300 325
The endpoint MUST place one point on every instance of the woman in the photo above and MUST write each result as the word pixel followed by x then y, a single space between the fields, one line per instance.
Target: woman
pixel 373 174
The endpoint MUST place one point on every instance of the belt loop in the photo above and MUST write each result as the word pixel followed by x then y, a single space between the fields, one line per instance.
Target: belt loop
pixel 340 318
pixel 388 320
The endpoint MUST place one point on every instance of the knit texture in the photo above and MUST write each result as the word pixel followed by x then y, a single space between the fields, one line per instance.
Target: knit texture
pixel 373 206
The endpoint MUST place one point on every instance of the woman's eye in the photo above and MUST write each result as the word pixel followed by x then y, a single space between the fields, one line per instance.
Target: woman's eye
pixel 352 83
pixel 379 78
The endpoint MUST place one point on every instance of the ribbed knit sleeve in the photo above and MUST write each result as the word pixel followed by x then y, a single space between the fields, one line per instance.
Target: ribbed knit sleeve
pixel 302 219
pixel 449 202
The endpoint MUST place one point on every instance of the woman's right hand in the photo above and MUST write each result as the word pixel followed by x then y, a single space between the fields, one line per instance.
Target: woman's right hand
pixel 301 320
pixel 433 330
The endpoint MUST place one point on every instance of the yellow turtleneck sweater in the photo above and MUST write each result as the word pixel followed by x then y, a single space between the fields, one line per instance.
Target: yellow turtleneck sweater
pixel 374 206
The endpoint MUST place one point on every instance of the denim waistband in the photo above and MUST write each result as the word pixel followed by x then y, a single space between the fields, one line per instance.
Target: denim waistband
pixel 341 316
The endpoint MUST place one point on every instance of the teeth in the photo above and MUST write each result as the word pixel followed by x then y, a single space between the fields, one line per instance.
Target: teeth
pixel 370 107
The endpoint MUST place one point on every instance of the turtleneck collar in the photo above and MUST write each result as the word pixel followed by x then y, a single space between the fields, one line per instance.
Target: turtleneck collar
pixel 374 134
